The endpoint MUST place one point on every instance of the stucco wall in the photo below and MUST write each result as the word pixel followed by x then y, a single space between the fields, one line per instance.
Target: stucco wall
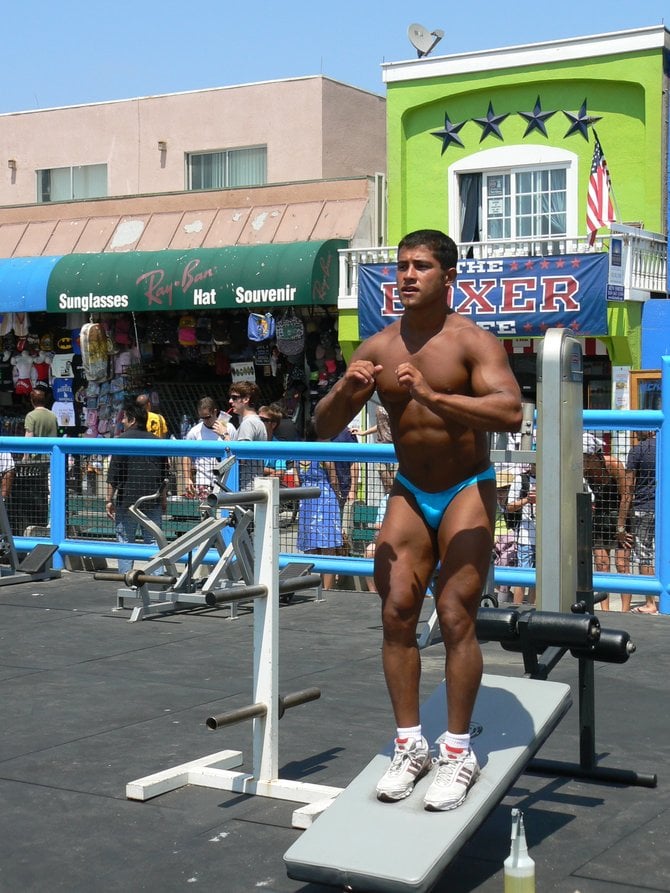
pixel 288 116
pixel 624 90
pixel 353 144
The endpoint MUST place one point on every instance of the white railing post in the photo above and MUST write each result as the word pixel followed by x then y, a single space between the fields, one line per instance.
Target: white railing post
pixel 266 630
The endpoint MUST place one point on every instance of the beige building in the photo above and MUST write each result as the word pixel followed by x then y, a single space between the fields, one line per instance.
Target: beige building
pixel 291 160
pixel 310 128
pixel 170 220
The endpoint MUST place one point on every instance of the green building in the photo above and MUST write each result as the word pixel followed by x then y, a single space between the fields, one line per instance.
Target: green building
pixel 498 148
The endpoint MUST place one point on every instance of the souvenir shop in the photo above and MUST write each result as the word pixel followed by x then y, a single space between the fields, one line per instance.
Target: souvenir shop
pixel 178 326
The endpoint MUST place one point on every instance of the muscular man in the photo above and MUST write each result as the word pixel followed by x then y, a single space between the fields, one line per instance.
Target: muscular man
pixel 445 383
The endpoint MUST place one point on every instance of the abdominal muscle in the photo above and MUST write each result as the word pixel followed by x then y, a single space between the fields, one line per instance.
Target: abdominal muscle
pixel 432 454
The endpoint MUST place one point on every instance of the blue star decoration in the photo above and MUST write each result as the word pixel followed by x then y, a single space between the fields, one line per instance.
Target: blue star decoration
pixel 448 134
pixel 580 122
pixel 490 124
pixel 536 119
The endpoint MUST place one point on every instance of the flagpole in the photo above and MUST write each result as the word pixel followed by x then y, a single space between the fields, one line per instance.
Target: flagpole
pixel 609 179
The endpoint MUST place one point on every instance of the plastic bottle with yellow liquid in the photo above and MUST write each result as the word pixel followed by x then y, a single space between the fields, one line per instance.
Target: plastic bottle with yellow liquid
pixel 519 871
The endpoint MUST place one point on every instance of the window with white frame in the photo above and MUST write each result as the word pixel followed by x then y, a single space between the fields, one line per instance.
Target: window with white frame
pixel 227 169
pixel 513 192
pixel 61 184
pixel 524 203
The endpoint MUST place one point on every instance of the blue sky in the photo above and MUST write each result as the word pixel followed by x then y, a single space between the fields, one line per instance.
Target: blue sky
pixel 80 51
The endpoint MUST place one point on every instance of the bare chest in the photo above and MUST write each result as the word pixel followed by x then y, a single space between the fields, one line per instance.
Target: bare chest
pixel 439 361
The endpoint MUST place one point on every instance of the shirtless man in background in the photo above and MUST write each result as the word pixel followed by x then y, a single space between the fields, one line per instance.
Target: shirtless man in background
pixel 445 383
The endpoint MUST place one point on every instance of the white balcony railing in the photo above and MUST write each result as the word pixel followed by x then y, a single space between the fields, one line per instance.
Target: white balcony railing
pixel 644 258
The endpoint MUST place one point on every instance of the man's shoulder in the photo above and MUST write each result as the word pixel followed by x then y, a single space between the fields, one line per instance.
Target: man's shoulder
pixel 244 428
pixel 637 450
pixel 379 340
pixel 466 327
pixel 250 426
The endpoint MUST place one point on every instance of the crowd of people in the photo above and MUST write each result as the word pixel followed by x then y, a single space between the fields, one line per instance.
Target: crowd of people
pixel 622 494
pixel 622 517
pixel 324 524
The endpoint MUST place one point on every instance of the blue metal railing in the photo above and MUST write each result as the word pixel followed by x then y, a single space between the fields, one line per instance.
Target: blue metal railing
pixel 61 448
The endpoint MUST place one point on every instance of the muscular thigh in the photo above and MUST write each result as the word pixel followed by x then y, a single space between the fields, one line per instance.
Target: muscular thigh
pixel 465 544
pixel 406 552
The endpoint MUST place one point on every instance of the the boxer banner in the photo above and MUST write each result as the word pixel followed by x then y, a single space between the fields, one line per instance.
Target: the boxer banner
pixel 515 297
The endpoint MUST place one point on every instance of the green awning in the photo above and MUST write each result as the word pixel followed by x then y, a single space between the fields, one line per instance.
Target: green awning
pixel 291 274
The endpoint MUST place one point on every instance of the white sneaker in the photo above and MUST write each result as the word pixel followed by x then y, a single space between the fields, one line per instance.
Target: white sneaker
pixel 453 780
pixel 411 760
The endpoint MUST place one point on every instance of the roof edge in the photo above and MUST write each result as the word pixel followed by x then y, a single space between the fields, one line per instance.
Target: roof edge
pixel 564 49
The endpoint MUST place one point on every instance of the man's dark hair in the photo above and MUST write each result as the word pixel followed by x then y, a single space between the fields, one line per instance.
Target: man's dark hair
pixel 38 397
pixel 247 389
pixel 443 247
pixel 273 412
pixel 137 414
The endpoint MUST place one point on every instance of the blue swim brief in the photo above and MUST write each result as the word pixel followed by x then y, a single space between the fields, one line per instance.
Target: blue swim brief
pixel 434 505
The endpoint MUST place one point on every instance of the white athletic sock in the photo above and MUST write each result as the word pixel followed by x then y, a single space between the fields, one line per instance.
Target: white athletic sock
pixel 409 734
pixel 455 743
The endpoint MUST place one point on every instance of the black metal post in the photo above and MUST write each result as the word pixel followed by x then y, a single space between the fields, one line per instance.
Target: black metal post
pixel 621 648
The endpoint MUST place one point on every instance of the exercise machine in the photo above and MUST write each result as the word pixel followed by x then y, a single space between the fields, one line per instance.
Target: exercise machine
pixel 35 567
pixel 180 575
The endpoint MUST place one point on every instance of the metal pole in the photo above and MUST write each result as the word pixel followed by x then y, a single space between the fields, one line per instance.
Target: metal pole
pixel 253 497
pixel 234 716
pixel 266 629
pixel 235 594
pixel 294 699
pixel 587 677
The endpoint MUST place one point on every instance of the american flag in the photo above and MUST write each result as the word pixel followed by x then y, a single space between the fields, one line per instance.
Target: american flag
pixel 599 209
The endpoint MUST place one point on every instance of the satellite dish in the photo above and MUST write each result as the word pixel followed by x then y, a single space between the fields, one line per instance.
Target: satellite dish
pixel 422 40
